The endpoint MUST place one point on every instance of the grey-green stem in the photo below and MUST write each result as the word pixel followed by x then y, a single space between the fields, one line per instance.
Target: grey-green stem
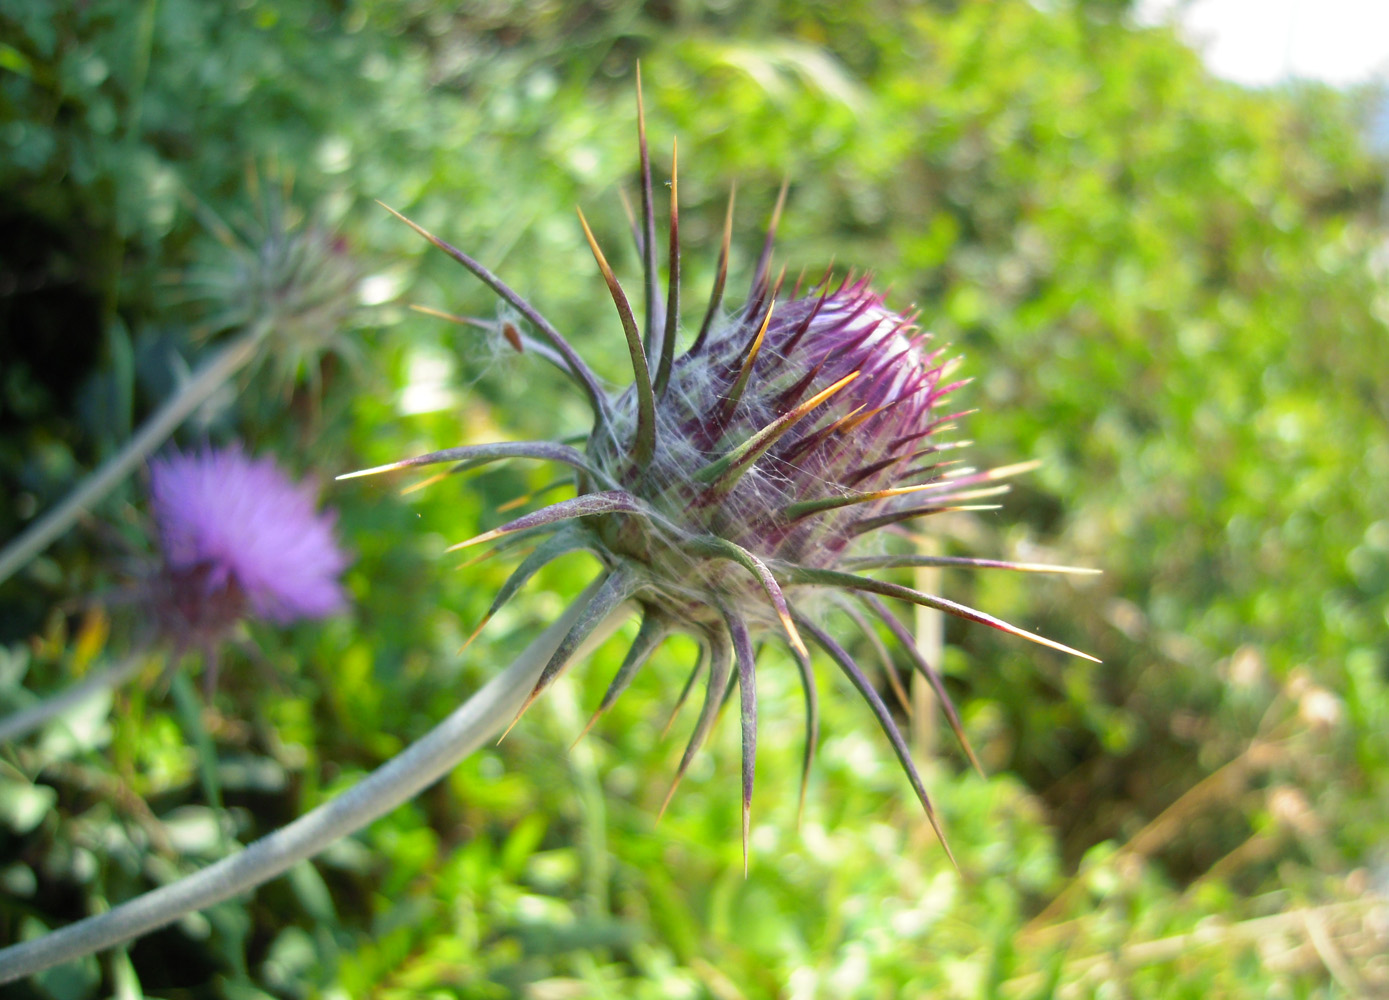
pixel 26 720
pixel 405 775
pixel 154 432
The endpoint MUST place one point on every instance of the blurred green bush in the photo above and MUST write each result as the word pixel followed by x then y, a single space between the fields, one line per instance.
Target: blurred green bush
pixel 1168 288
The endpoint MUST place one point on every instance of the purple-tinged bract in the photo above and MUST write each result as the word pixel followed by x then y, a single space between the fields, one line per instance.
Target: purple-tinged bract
pixel 728 486
pixel 239 537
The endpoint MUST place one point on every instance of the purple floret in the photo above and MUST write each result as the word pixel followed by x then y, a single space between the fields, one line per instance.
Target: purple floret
pixel 239 526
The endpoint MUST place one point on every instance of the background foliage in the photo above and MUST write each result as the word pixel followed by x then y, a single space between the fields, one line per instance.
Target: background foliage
pixel 1168 288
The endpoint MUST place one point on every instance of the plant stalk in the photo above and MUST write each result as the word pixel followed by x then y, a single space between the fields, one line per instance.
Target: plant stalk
pixel 405 775
pixel 25 721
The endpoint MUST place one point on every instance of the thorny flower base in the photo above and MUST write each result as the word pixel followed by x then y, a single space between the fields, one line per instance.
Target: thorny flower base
pixel 726 489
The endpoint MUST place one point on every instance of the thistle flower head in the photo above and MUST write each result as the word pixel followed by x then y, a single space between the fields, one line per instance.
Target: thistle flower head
pixel 238 538
pixel 779 434
pixel 726 486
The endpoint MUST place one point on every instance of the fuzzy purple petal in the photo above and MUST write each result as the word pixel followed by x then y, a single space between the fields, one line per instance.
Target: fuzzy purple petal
pixel 245 521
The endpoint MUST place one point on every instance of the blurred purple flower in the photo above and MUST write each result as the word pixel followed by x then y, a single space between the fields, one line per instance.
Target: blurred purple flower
pixel 239 537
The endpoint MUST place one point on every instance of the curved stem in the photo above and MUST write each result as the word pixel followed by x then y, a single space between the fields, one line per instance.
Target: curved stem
pixel 37 537
pixel 25 721
pixel 418 766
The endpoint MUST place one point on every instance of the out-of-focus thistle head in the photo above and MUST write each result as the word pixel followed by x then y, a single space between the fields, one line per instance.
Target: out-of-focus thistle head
pixel 727 487
pixel 238 539
pixel 283 272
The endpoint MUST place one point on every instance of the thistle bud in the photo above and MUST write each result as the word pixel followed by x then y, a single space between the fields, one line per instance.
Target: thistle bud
pixel 289 277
